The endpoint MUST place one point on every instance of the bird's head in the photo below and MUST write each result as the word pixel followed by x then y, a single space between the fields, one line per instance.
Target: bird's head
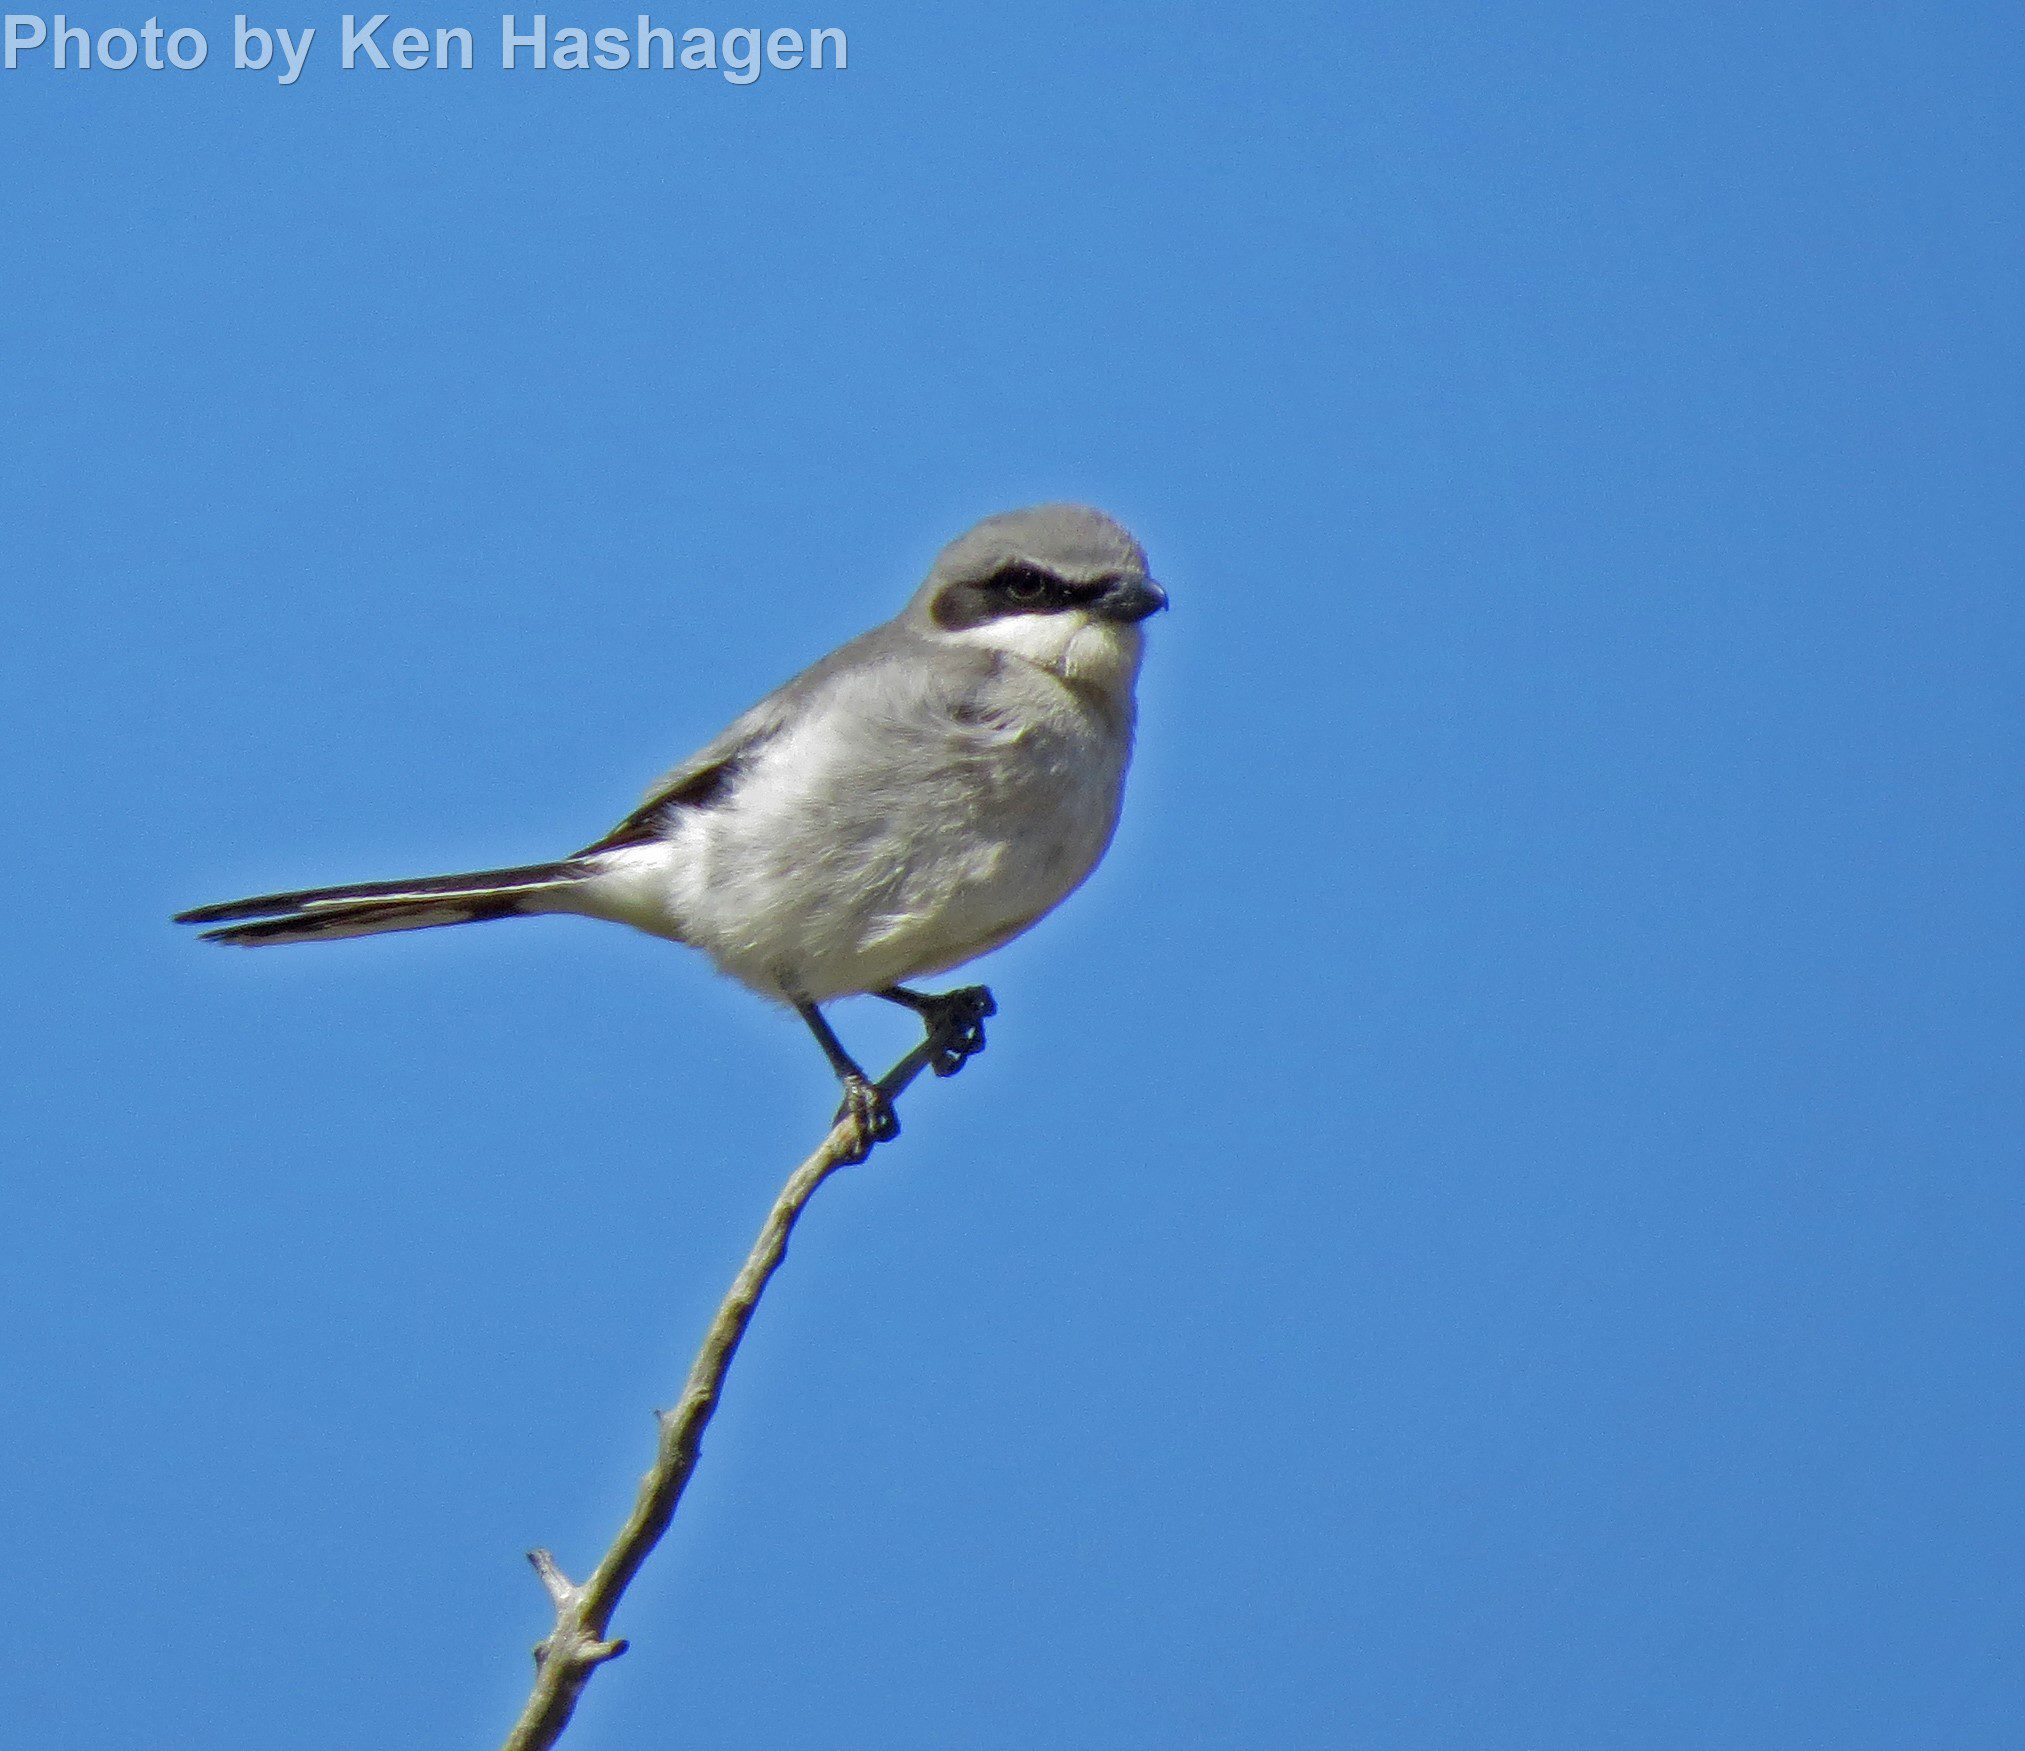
pixel 1061 586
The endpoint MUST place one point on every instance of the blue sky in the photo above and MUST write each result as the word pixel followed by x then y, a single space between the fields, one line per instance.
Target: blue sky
pixel 1493 1220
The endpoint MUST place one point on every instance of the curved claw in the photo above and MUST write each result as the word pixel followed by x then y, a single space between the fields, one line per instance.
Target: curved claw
pixel 870 1109
pixel 956 1028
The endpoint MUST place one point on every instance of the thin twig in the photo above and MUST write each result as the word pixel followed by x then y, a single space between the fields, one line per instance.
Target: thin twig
pixel 577 1646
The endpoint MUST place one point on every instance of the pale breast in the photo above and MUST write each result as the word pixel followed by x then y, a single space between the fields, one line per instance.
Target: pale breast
pixel 902 833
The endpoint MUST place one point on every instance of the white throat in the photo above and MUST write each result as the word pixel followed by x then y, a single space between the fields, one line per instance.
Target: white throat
pixel 1076 646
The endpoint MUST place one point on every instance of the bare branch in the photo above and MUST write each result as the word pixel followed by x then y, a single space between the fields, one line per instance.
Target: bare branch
pixel 577 1646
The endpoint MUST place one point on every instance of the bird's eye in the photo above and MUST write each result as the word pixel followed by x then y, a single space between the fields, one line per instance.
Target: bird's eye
pixel 1024 585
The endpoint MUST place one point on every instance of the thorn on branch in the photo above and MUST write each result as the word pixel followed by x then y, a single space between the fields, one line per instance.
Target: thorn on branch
pixel 562 1591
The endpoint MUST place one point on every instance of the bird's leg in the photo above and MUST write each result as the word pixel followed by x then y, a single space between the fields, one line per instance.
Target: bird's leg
pixel 954 1019
pixel 865 1102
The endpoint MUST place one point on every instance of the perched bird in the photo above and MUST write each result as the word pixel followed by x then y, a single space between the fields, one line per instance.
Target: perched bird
pixel 920 796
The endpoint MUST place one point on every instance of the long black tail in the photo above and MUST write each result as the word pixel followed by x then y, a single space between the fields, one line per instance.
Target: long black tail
pixel 368 908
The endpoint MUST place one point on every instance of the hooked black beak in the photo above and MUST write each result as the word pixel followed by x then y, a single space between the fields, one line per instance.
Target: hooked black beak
pixel 1132 599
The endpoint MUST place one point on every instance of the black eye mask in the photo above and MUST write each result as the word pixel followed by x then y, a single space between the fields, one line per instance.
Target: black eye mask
pixel 1017 588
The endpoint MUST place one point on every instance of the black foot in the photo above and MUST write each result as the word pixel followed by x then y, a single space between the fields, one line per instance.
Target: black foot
pixel 867 1106
pixel 956 1027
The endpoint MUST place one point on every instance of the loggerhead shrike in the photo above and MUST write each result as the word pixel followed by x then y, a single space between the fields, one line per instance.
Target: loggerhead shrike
pixel 918 797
